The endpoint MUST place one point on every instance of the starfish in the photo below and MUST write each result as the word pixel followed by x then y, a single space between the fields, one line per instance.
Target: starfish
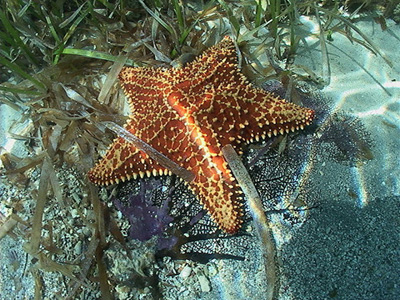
pixel 189 114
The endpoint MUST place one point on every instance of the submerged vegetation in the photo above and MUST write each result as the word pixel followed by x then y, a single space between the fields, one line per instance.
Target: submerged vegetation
pixel 59 61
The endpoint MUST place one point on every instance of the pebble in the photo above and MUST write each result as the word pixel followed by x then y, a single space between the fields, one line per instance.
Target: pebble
pixel 212 270
pixel 185 273
pixel 204 283
pixel 78 248
pixel 74 213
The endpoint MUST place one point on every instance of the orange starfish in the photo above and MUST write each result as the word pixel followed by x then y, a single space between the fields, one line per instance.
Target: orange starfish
pixel 189 114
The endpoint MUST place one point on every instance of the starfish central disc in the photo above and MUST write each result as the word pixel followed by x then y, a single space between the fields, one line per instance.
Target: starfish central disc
pixel 189 114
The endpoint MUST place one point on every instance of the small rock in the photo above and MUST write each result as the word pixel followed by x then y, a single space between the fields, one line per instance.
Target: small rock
pixel 185 273
pixel 204 283
pixel 74 213
pixel 212 270
pixel 78 248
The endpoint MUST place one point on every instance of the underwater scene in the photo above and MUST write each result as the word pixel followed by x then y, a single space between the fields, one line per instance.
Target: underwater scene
pixel 154 149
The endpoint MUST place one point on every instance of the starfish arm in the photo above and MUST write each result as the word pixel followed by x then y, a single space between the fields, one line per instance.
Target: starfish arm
pixel 204 70
pixel 214 183
pixel 221 56
pixel 268 115
pixel 144 87
pixel 256 114
pixel 124 161
pixel 220 197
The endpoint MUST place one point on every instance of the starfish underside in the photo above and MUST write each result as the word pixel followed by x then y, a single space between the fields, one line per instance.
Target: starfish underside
pixel 189 114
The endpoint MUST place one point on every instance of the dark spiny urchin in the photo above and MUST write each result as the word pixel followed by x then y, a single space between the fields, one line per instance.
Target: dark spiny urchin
pixel 346 140
pixel 344 136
